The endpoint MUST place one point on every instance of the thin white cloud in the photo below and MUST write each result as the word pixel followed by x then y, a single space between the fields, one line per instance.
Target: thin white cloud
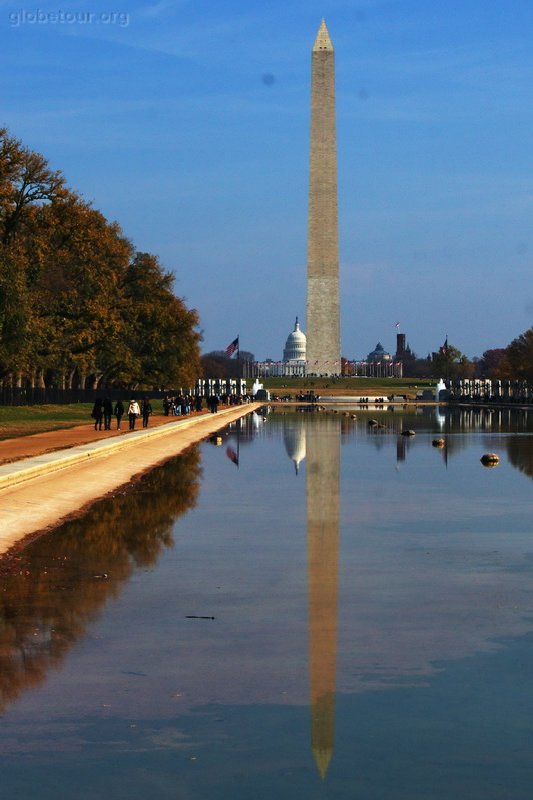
pixel 155 10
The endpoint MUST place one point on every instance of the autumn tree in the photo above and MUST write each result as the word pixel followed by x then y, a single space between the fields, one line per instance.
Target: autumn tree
pixel 414 367
pixel 78 305
pixel 450 363
pixel 78 261
pixel 25 179
pixel 161 331
pixel 217 364
pixel 520 356
pixel 494 363
pixel 15 316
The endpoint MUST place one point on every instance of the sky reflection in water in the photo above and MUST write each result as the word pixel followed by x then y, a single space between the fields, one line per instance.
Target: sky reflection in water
pixel 372 598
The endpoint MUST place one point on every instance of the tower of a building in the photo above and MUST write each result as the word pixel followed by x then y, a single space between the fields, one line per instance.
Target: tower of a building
pixel 400 345
pixel 323 306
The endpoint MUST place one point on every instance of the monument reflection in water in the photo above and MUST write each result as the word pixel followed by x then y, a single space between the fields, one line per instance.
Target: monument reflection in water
pixel 323 504
pixel 318 441
pixel 222 633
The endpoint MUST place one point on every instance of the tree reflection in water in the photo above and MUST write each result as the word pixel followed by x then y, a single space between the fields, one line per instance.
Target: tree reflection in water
pixel 520 452
pixel 54 589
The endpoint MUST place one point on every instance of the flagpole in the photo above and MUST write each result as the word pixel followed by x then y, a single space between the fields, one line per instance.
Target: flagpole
pixel 239 421
pixel 447 365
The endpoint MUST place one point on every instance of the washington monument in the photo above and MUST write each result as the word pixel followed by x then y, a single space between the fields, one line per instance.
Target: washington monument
pixel 323 322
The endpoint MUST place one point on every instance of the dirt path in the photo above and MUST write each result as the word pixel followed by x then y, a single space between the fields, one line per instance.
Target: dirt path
pixel 48 442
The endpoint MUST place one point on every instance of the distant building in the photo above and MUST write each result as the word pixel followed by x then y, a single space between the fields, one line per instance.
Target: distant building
pixel 378 355
pixel 378 364
pixel 295 346
pixel 294 358
pixel 401 346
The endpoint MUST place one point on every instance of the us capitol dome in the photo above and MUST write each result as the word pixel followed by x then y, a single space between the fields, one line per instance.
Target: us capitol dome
pixel 295 345
pixel 293 363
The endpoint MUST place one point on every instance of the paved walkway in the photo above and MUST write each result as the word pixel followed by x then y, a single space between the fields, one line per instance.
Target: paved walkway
pixel 52 485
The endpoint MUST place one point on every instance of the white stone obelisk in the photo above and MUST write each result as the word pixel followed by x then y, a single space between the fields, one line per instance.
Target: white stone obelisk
pixel 323 305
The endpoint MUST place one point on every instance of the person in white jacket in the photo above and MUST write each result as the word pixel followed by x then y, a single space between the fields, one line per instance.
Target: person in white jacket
pixel 133 412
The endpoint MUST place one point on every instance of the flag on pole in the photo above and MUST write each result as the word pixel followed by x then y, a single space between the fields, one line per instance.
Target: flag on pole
pixel 230 349
pixel 397 325
pixel 232 455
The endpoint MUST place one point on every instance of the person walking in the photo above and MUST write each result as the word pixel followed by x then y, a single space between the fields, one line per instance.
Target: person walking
pixel 133 412
pixel 119 412
pixel 97 414
pixel 107 407
pixel 146 410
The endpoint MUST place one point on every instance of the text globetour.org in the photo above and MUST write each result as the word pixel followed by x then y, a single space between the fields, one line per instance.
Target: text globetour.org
pixel 60 17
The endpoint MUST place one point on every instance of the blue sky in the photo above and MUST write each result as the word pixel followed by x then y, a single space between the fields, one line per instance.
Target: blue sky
pixel 188 123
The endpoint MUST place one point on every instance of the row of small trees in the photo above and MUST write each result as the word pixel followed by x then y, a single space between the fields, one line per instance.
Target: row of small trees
pixel 512 362
pixel 79 306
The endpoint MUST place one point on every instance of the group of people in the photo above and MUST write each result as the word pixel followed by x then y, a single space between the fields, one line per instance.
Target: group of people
pixel 103 411
pixel 175 406
pixel 181 405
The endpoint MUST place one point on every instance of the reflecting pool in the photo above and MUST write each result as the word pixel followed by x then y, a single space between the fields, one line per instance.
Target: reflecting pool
pixel 318 607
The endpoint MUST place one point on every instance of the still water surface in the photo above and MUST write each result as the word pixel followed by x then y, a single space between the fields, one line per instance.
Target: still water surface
pixel 344 613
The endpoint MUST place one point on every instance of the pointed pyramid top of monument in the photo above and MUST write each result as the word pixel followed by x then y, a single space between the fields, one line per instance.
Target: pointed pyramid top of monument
pixel 322 41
